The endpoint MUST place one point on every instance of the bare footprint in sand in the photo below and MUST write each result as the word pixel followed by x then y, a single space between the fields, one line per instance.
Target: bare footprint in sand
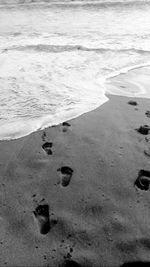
pixel 41 214
pixel 147 113
pixel 132 103
pixel 143 180
pixel 65 174
pixel 47 147
pixel 65 126
pixel 143 129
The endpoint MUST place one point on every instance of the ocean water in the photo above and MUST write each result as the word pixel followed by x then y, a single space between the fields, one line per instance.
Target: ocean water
pixel 55 59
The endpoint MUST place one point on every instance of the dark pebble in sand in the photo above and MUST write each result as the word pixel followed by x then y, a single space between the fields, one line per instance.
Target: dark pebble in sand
pixel 42 216
pixel 133 103
pixel 65 175
pixel 143 180
pixel 143 129
pixel 47 147
pixel 147 113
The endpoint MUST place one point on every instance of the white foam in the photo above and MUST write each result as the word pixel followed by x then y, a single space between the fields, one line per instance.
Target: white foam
pixel 42 87
pixel 20 128
pixel 40 93
pixel 30 80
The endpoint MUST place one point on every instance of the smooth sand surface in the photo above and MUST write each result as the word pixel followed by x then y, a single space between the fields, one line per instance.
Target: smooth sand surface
pixel 75 198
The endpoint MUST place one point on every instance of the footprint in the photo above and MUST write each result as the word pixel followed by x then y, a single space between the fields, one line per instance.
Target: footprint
pixel 147 113
pixel 147 152
pixel 41 214
pixel 65 175
pixel 143 129
pixel 47 147
pixel 65 126
pixel 133 103
pixel 71 263
pixel 143 180
pixel 136 264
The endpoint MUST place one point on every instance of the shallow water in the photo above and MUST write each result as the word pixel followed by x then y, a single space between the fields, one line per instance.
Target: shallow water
pixel 55 59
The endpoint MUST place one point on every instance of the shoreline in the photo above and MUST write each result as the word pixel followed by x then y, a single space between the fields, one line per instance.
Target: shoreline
pixel 99 210
pixel 118 85
pixel 71 3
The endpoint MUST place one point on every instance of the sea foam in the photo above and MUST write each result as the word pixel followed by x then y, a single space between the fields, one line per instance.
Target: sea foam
pixel 57 63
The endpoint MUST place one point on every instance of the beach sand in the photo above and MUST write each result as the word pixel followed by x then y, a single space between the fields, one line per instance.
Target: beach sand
pixel 69 194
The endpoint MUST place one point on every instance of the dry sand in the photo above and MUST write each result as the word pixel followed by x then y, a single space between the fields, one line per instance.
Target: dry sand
pixel 92 212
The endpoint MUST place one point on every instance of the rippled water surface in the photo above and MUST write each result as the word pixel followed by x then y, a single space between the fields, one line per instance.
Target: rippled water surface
pixel 54 59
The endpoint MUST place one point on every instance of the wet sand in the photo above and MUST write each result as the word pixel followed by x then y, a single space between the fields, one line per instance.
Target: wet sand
pixel 77 194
